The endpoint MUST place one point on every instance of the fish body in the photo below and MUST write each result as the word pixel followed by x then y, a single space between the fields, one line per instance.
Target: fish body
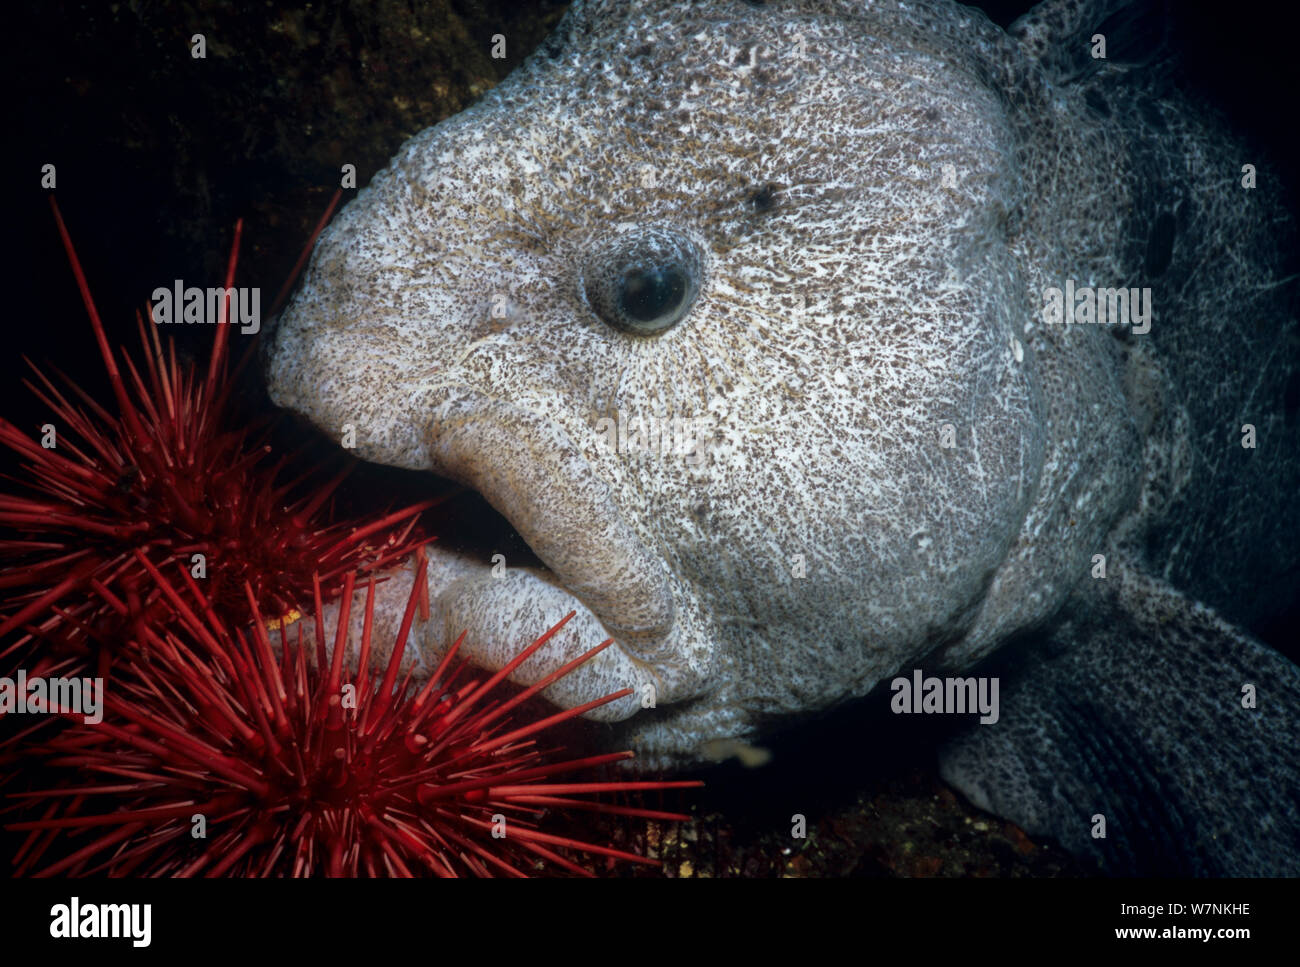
pixel 749 319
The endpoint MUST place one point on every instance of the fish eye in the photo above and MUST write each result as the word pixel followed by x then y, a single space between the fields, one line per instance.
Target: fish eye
pixel 652 294
pixel 643 282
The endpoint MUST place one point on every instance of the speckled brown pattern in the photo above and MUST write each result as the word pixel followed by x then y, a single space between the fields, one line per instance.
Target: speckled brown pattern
pixel 880 193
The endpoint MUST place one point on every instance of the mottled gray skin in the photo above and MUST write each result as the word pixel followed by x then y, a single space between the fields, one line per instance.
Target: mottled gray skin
pixel 879 193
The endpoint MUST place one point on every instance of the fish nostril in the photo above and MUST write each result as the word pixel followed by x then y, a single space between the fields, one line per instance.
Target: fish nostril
pixel 643 281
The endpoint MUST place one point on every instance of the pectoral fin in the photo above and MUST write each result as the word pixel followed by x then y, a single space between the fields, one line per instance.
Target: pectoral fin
pixel 1147 734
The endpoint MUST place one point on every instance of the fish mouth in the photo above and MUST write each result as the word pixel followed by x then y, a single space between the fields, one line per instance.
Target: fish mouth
pixel 570 548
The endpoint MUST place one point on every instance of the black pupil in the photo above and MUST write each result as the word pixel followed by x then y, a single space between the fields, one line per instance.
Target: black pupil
pixel 650 294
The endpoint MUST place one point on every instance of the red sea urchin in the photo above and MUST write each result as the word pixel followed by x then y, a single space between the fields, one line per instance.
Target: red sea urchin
pixel 296 768
pixel 171 475
pixel 216 757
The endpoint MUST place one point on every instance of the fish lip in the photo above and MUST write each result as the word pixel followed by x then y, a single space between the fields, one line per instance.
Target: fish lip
pixel 493 612
pixel 549 492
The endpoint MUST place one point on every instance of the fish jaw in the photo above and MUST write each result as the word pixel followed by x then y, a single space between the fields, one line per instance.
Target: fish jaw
pixel 594 563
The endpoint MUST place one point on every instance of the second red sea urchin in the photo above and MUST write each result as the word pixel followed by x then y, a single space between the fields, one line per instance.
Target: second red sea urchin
pixel 222 752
